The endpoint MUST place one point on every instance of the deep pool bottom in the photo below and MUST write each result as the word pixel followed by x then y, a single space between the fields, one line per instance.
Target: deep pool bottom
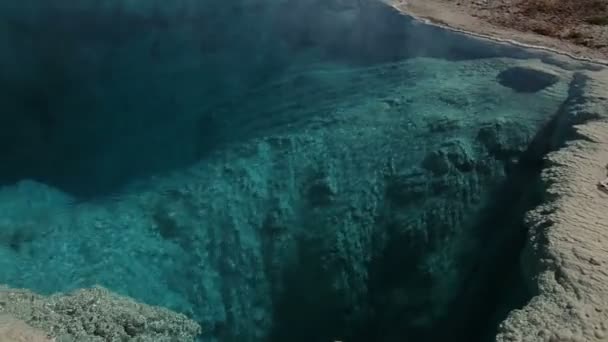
pixel 389 207
pixel 490 287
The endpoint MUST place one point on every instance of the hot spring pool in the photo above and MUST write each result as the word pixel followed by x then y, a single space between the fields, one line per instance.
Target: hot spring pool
pixel 294 170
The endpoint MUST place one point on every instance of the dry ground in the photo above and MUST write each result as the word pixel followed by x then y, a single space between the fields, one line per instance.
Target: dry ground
pixel 583 22
pixel 579 27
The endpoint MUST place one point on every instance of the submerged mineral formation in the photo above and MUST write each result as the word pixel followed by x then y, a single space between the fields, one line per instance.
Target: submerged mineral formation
pixel 526 80
pixel 369 214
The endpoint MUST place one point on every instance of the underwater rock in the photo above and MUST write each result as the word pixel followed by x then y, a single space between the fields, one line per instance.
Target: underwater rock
pixel 321 192
pixel 21 205
pixel 526 80
pixel 407 188
pixel 450 154
pixel 504 138
pixel 96 315
pixel 443 124
pixel 459 155
pixel 437 162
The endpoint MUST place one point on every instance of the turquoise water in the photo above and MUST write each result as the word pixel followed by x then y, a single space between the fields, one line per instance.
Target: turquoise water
pixel 287 170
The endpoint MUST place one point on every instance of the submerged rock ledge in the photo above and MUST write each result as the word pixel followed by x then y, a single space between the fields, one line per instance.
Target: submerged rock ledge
pixel 566 255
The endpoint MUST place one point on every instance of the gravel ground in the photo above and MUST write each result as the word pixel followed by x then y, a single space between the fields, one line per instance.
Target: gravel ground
pixel 87 315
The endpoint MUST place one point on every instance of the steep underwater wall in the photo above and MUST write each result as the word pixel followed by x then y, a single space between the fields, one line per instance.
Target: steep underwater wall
pixel 309 182
pixel 89 85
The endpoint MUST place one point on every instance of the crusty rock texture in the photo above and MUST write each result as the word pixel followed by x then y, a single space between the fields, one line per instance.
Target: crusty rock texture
pixel 87 315
pixel 567 252
pixel 14 330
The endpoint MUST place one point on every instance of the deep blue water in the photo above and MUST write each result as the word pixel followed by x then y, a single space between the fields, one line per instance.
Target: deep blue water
pixel 277 170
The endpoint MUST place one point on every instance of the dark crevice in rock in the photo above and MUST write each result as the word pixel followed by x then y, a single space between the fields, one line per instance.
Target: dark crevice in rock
pixel 495 284
pixel 526 80
pixel 396 301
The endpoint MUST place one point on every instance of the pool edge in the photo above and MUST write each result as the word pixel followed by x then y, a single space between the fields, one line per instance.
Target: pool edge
pixel 565 255
pixel 495 36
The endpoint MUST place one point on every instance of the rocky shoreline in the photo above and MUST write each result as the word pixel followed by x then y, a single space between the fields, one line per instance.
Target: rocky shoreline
pixel 93 314
pixel 567 238
pixel 567 249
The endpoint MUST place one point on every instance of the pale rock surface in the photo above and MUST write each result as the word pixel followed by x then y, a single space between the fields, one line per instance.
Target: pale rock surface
pixel 567 251
pixel 14 330
pixel 88 315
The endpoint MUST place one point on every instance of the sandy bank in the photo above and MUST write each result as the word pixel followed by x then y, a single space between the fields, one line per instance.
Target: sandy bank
pixel 465 16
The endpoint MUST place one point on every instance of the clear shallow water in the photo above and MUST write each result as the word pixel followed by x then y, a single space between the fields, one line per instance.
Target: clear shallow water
pixel 292 170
